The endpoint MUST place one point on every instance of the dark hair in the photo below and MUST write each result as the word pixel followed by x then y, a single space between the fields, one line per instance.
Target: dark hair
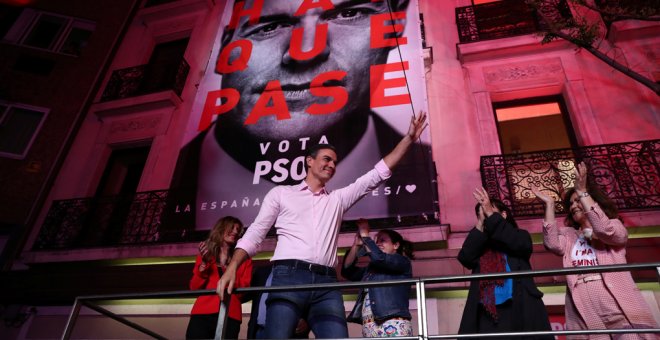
pixel 314 149
pixel 217 234
pixel 405 246
pixel 605 203
pixel 499 205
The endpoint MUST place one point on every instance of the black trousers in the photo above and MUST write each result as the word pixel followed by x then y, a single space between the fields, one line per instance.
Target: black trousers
pixel 202 326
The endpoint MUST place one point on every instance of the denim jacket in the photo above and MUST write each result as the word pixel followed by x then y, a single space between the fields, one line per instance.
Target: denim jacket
pixel 387 301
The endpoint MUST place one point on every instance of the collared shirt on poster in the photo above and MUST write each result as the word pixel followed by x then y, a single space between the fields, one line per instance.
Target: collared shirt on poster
pixel 307 223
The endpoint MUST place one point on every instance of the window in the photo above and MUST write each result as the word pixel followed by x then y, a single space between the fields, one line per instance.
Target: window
pixel 533 124
pixel 45 32
pixel 19 125
pixel 51 32
pixel 8 15
pixel 163 67
pixel 123 171
pixel 77 38
pixel 115 195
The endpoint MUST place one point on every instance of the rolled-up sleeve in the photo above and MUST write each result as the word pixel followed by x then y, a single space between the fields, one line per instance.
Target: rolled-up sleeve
pixel 256 232
pixel 383 170
pixel 363 185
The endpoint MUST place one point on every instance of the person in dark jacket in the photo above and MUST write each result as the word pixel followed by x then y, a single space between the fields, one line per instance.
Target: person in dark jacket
pixel 260 277
pixel 497 245
pixel 382 311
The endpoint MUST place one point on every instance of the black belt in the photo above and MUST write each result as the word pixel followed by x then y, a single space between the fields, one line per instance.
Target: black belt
pixel 314 268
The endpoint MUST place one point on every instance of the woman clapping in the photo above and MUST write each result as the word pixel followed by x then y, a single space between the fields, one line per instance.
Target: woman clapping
pixel 382 311
pixel 594 235
pixel 497 245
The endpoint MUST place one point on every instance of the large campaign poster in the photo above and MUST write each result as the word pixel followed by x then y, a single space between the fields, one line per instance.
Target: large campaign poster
pixel 286 74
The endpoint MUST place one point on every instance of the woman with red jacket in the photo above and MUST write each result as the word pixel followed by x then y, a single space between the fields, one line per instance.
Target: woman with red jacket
pixel 214 255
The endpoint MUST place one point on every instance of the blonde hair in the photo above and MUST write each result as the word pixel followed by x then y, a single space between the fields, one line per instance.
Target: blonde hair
pixel 217 236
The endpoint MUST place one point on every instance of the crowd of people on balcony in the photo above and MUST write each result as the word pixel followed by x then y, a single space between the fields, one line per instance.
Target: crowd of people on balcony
pixel 308 227
pixel 307 218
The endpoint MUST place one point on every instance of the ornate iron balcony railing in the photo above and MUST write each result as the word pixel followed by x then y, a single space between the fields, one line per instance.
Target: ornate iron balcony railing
pixel 503 19
pixel 145 79
pixel 629 173
pixel 105 221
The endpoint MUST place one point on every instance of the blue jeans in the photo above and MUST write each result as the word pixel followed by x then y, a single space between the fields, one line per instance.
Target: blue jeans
pixel 323 309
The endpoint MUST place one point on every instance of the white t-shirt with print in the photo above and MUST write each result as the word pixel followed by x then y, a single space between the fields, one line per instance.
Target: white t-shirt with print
pixel 583 254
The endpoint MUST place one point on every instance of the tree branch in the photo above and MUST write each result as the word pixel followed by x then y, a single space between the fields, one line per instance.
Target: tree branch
pixel 655 87
pixel 585 39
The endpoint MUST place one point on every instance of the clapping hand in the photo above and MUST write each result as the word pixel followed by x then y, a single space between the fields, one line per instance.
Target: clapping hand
pixel 301 328
pixel 547 200
pixel 204 251
pixel 363 227
pixel 581 177
pixel 483 199
pixel 358 240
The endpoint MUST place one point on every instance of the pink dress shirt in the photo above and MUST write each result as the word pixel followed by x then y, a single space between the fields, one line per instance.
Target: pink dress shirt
pixel 307 223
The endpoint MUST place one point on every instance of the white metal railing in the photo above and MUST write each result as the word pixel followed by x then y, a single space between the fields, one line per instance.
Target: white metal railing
pixel 420 285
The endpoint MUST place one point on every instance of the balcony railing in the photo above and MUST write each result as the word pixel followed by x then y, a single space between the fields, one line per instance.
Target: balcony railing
pixel 629 173
pixel 422 285
pixel 504 19
pixel 145 79
pixel 105 221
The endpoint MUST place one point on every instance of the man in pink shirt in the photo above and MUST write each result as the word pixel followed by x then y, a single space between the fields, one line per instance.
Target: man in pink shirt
pixel 307 219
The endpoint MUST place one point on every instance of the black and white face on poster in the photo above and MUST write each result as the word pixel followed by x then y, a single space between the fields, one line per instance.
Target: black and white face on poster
pixel 287 74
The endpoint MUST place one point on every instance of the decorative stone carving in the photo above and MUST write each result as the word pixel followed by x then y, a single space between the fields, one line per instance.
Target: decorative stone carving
pixel 143 123
pixel 538 69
